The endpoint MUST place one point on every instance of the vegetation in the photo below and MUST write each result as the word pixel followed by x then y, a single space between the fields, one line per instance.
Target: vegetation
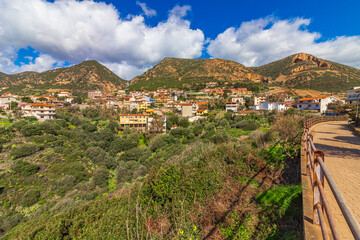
pixel 86 76
pixel 76 178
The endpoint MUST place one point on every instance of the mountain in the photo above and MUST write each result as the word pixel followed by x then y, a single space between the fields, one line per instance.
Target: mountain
pixel 299 71
pixel 304 71
pixel 176 72
pixel 88 75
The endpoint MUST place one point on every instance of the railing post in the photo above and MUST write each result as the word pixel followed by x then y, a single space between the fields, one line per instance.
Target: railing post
pixel 318 175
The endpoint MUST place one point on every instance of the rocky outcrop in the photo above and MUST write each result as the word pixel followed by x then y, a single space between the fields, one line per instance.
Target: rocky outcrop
pixel 315 61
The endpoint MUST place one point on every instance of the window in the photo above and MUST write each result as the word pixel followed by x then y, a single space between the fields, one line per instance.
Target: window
pixel 300 106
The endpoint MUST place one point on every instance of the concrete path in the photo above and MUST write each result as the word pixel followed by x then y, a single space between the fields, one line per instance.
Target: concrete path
pixel 342 158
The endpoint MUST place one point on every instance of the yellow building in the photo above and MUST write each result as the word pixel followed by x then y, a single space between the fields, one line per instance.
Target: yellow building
pixel 143 105
pixel 134 121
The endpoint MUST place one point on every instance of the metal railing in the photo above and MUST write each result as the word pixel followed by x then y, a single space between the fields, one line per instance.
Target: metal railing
pixel 317 171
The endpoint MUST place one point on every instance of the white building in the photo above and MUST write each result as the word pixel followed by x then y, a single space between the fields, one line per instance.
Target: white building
pixel 273 106
pixel 315 103
pixel 64 94
pixel 352 95
pixel 232 106
pixel 239 100
pixel 39 110
pixel 8 99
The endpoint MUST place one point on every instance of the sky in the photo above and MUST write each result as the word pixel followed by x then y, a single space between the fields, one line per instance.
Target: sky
pixel 130 36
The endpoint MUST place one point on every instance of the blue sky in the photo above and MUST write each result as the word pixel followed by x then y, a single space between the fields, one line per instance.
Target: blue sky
pixel 130 37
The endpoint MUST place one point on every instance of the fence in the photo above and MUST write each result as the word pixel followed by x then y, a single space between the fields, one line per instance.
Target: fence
pixel 317 171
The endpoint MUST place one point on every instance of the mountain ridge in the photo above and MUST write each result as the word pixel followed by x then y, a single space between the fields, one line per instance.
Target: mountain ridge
pixel 300 71
pixel 85 76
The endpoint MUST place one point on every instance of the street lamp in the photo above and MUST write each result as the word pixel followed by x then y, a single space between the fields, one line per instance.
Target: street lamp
pixel 357 109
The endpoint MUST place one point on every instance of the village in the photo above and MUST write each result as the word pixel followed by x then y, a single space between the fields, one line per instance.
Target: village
pixel 137 109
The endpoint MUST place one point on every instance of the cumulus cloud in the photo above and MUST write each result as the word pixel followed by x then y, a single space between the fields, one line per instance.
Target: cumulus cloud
pixel 74 31
pixel 41 63
pixel 147 11
pixel 264 40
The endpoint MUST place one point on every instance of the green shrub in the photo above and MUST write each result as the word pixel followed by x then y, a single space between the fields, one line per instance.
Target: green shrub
pixel 31 130
pixel 177 132
pixel 30 198
pixel 126 171
pixel 88 126
pixel 24 168
pixel 101 177
pixel 134 154
pixel 220 137
pixel 23 150
pixel 160 141
pixel 18 125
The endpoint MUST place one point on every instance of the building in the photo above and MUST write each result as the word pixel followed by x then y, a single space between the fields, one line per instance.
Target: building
pixel 39 110
pixel 239 100
pixel 274 106
pixel 134 121
pixel 187 109
pixel 94 94
pixel 201 112
pixel 315 103
pixel 64 94
pixel 231 106
pixel 7 99
pixel 258 100
pixel 352 95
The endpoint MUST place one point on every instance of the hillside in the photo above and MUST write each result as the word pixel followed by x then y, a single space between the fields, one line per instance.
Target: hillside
pixel 299 71
pixel 78 177
pixel 176 72
pixel 304 71
pixel 88 75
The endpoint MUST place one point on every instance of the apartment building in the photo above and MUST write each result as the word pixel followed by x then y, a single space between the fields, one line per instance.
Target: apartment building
pixel 134 121
pixel 259 99
pixel 315 103
pixel 39 110
pixel 232 106
pixel 94 94
pixel 352 95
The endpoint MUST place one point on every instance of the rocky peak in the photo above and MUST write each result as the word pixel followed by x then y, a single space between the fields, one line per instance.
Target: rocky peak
pixel 307 57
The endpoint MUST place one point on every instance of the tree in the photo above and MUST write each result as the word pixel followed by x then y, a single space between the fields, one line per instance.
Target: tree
pixel 157 125
pixel 26 99
pixel 78 100
pixel 42 99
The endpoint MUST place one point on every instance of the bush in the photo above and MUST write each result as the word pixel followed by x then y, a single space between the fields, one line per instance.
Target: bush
pixel 49 127
pixel 88 127
pixel 101 177
pixel 96 154
pixel 31 130
pixel 24 168
pixel 23 150
pixel 177 132
pixel 126 171
pixel 160 142
pixel 64 184
pixel 18 125
pixel 220 137
pixel 134 154
pixel 30 198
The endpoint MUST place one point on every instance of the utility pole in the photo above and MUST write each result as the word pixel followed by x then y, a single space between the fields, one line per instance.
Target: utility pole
pixel 357 109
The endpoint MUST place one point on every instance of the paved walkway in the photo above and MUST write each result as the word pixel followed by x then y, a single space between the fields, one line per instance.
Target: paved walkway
pixel 342 158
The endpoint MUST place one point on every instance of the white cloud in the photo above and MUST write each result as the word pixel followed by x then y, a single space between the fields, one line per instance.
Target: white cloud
pixel 74 31
pixel 147 11
pixel 42 63
pixel 125 70
pixel 268 39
